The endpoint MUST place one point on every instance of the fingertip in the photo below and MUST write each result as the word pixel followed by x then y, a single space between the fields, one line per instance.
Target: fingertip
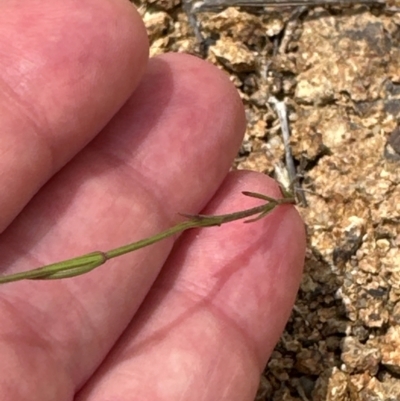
pixel 214 86
pixel 187 117
pixel 66 68
pixel 276 268
pixel 260 263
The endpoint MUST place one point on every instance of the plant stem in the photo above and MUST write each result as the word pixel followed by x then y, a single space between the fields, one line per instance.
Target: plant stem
pixel 86 263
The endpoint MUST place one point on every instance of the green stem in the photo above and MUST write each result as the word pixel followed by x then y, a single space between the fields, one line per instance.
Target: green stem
pixel 85 263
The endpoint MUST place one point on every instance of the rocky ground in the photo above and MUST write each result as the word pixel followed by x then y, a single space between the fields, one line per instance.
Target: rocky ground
pixel 336 70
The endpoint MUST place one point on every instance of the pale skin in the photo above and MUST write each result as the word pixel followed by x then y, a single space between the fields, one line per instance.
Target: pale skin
pixel 101 147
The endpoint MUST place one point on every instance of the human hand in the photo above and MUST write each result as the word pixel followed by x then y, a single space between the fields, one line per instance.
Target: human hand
pixel 113 148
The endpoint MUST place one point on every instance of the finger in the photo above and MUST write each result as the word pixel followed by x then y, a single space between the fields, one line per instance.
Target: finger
pixel 166 151
pixel 213 317
pixel 67 67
